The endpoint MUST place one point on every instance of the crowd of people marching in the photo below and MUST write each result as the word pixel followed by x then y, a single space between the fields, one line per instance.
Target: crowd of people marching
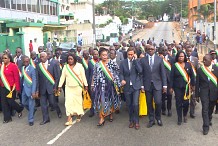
pixel 120 72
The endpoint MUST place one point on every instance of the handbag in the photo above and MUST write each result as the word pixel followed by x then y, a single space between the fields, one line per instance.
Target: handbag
pixel 87 102
pixel 143 111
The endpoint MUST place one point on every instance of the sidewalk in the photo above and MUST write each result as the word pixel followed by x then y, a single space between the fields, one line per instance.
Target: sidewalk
pixel 202 48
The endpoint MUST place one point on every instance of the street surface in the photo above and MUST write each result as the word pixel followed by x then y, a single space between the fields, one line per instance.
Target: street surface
pixel 86 133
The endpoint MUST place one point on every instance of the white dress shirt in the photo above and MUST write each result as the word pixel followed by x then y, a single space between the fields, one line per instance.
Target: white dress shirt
pixel 129 69
pixel 46 64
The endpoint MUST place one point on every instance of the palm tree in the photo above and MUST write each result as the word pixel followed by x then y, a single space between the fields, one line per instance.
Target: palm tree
pixel 206 10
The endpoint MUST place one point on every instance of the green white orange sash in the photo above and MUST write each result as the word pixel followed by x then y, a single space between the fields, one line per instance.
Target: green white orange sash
pixel 193 68
pixel 167 64
pixel 73 74
pixel 109 76
pixel 6 83
pixel 93 62
pixel 185 76
pixel 46 73
pixel 77 54
pixel 106 71
pixel 32 63
pixel 209 74
pixel 27 78
pixel 175 51
pixel 60 67
pixel 85 63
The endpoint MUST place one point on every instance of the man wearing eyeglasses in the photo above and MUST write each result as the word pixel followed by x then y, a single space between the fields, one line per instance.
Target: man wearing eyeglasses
pixel 155 83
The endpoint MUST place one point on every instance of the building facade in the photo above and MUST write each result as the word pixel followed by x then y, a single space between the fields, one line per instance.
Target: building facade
pixel 25 20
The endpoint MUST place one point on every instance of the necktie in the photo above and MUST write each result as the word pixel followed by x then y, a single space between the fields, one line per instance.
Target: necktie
pixel 151 62
pixel 130 64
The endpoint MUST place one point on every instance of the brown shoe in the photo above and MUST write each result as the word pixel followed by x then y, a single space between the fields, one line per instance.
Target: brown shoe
pixel 137 126
pixel 131 125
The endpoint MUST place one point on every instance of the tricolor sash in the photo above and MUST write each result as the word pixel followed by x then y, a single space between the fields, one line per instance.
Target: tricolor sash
pixel 60 67
pixel 74 75
pixel 46 73
pixel 186 78
pixel 167 64
pixel 106 71
pixel 85 63
pixel 209 74
pixel 193 68
pixel 175 51
pixel 32 63
pixel 27 78
pixel 6 83
pixel 93 62
pixel 109 75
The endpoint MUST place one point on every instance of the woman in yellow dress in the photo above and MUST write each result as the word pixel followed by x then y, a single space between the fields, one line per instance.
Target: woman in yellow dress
pixel 75 77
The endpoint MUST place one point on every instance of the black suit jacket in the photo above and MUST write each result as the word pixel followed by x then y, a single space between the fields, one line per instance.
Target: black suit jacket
pixel 157 75
pixel 133 74
pixel 43 84
pixel 177 80
pixel 171 60
pixel 203 85
pixel 90 73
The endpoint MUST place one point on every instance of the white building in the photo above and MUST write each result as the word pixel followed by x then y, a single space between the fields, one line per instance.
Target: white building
pixel 82 11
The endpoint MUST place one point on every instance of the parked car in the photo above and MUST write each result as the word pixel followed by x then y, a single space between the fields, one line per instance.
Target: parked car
pixel 66 46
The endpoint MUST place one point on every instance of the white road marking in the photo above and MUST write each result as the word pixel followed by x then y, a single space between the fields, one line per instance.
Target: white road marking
pixel 63 131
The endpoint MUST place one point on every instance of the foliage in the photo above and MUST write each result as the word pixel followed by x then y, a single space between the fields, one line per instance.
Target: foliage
pixel 206 10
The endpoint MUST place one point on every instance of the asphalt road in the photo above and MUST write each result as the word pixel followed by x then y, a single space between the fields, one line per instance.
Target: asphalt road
pixel 86 133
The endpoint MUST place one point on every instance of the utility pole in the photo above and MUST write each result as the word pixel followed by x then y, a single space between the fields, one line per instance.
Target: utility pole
pixel 182 32
pixel 93 23
pixel 215 6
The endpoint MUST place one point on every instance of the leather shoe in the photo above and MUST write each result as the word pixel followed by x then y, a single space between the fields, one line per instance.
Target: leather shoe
pixel 163 112
pixel 20 115
pixel 150 124
pixel 31 123
pixel 159 122
pixel 44 122
pixel 192 116
pixel 137 126
pixel 169 113
pixel 179 123
pixel 131 125
pixel 91 114
pixel 205 132
pixel 7 121
pixel 60 115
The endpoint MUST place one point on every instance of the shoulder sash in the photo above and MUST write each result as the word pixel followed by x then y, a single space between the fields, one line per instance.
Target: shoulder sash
pixel 46 73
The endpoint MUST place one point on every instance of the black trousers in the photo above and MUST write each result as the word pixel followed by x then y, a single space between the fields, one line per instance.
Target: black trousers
pixel 44 105
pixel 9 103
pixel 156 96
pixel 207 110
pixel 92 96
pixel 181 104
pixel 166 97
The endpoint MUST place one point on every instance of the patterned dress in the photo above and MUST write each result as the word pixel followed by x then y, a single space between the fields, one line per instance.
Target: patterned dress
pixel 107 99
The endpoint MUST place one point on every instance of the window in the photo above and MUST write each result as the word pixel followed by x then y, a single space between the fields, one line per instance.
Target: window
pixel 14 4
pixel 55 9
pixel 34 5
pixel 51 7
pixel 19 4
pixel 24 5
pixel 8 4
pixel 2 4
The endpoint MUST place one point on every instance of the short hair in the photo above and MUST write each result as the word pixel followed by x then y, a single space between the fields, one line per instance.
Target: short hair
pixel 177 56
pixel 74 57
pixel 113 51
pixel 102 49
pixel 131 49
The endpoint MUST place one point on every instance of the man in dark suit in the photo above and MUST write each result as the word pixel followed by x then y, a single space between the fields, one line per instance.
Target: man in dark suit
pixel 130 70
pixel 29 89
pixel 168 62
pixel 119 52
pixel 85 61
pixel 206 89
pixel 155 83
pixel 48 75
pixel 91 64
pixel 18 60
pixel 194 63
pixel 113 55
